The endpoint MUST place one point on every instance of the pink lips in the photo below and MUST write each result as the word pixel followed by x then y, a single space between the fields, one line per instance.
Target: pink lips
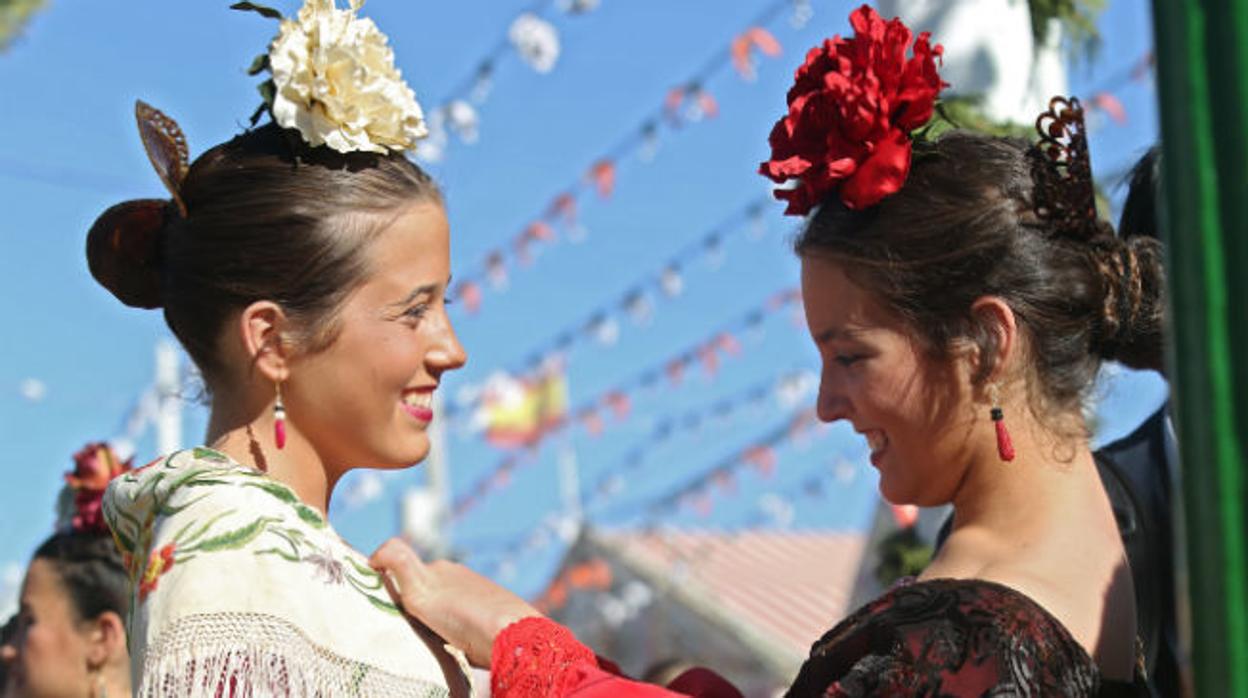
pixel 423 414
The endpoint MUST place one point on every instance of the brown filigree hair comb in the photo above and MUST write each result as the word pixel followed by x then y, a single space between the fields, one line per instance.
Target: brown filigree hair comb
pixel 1064 195
pixel 166 148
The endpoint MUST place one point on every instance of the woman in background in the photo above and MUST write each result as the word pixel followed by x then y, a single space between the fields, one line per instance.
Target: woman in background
pixel 69 638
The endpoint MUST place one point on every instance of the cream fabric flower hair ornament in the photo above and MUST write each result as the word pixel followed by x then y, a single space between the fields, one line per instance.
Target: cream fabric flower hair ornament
pixel 334 81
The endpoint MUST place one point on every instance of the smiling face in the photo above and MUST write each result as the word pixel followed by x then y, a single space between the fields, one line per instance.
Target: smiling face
pixel 48 654
pixel 365 400
pixel 914 411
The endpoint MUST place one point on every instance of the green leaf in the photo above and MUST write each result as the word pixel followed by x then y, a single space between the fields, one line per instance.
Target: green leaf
pixel 277 490
pixel 310 515
pixel 268 91
pixel 237 538
pixel 201 453
pixel 289 557
pixel 126 542
pixel 383 605
pixel 259 65
pixel 169 510
pixel 253 7
pixel 201 531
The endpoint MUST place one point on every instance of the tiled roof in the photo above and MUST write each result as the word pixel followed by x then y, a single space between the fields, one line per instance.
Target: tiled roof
pixel 789 586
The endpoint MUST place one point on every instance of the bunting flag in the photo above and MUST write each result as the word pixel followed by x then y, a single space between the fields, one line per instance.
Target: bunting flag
pixel 744 46
pixel 533 39
pixel 709 352
pixel 602 174
pixel 775 507
pixel 636 305
pixel 520 427
pixel 690 101
pixel 515 413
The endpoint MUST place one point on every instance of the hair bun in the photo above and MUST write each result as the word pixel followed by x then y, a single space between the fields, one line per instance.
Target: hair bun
pixel 123 250
pixel 1133 313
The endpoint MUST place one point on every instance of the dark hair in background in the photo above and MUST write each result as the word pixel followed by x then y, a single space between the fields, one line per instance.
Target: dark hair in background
pixel 90 568
pixel 1139 212
pixel 964 226
pixel 268 218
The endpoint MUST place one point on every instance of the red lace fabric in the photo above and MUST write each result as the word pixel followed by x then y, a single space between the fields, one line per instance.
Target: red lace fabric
pixel 536 657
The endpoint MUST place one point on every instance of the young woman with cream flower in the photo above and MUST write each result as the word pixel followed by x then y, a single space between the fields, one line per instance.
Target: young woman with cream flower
pixel 304 266
pixel 962 294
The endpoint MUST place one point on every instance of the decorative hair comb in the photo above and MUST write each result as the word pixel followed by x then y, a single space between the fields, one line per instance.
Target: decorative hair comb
pixel 127 236
pixel 1064 195
pixel 166 148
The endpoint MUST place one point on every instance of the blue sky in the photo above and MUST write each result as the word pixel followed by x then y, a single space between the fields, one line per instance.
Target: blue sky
pixel 68 149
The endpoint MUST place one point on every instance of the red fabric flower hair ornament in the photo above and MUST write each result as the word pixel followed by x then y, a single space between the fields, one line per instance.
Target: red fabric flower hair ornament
pixel 80 506
pixel 852 107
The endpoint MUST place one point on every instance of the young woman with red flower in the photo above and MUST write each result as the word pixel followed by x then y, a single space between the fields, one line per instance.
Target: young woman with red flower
pixel 962 295
pixel 69 639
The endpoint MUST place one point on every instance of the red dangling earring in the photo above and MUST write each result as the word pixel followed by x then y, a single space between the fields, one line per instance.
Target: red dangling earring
pixel 1005 447
pixel 279 420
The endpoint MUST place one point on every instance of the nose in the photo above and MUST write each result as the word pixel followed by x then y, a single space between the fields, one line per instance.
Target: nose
pixel 7 653
pixel 831 405
pixel 447 354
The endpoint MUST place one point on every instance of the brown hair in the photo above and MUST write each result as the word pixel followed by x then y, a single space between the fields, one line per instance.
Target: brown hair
pixel 963 227
pixel 90 568
pixel 268 218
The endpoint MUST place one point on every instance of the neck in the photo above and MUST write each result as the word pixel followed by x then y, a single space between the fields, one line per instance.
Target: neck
pixel 117 683
pixel 243 430
pixel 1021 497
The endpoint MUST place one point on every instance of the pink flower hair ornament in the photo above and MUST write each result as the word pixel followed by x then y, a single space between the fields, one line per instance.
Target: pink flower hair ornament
pixel 79 508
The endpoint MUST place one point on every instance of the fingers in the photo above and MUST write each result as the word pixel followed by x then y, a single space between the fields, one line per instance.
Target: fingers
pixel 401 568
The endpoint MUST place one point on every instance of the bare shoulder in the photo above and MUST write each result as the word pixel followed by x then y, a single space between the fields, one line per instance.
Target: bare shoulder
pixel 1096 607
pixel 1087 588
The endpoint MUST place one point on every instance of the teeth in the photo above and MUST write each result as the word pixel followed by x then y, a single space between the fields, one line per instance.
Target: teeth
pixel 421 399
pixel 876 440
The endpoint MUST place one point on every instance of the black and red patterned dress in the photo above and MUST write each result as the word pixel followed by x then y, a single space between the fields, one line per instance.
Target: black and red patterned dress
pixel 943 637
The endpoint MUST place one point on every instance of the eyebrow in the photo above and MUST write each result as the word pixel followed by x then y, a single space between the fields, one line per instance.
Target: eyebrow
pixel 418 292
pixel 836 333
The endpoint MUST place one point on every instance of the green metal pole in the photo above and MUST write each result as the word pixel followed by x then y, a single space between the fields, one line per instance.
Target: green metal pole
pixel 1202 65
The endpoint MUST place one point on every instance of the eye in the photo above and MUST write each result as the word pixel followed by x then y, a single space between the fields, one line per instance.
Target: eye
pixel 416 312
pixel 847 359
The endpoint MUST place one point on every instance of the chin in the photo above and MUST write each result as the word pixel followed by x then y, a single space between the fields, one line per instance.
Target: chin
pixel 895 492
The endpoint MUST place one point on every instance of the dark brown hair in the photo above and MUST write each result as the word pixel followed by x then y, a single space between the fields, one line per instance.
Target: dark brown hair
pixel 90 569
pixel 964 226
pixel 268 218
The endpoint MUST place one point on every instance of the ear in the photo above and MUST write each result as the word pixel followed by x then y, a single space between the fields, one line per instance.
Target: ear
pixel 262 326
pixel 106 639
pixel 997 322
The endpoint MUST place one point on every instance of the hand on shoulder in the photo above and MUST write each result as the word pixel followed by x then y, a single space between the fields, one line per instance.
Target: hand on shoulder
pixel 464 608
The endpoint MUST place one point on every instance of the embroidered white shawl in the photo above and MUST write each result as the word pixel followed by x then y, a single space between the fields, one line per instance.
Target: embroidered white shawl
pixel 239 589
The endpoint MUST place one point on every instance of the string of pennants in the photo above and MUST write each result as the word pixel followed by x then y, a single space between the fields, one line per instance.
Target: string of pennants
pixel 1104 99
pixel 638 301
pixel 696 494
pixel 688 102
pixel 636 304
pixel 800 428
pixel 788 390
pixel 543 400
pixel 533 38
